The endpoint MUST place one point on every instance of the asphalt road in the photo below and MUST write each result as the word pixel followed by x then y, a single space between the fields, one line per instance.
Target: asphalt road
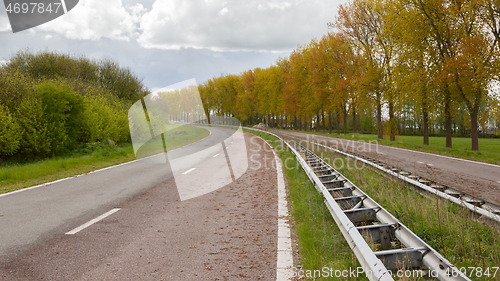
pixel 31 216
pixel 475 178
pixel 229 233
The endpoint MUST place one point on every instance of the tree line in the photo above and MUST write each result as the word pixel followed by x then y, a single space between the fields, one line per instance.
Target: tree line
pixel 51 103
pixel 429 65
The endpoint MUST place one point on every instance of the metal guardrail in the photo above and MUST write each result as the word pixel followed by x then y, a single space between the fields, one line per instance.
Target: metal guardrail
pixel 475 204
pixel 361 219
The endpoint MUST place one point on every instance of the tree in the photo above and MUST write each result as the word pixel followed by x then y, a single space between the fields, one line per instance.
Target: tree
pixel 298 90
pixel 10 132
pixel 468 53
pixel 14 88
pixel 471 71
pixel 107 73
pixel 63 115
pixel 363 22
pixel 245 99
pixel 414 67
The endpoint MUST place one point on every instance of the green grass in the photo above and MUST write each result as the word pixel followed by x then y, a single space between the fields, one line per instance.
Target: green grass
pixel 320 242
pixel 17 176
pixel 455 232
pixel 489 148
pixel 89 158
pixel 174 138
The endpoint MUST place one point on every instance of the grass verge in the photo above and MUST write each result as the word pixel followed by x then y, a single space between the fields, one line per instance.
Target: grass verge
pixel 320 242
pixel 88 158
pixel 458 234
pixel 488 147
pixel 17 176
pixel 174 138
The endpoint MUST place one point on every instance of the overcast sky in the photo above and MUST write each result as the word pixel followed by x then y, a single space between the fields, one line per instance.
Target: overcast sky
pixel 168 41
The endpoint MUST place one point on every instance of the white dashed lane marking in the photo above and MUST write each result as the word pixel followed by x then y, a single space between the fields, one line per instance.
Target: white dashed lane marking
pixel 216 155
pixel 85 225
pixel 188 171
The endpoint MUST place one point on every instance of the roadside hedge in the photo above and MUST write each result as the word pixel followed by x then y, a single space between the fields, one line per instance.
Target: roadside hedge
pixel 53 103
pixel 10 132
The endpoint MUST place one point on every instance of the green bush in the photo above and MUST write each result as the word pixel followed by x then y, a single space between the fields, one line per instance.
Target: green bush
pixel 10 132
pixel 120 81
pixel 63 111
pixel 55 103
pixel 52 65
pixel 104 118
pixel 14 88
pixel 35 141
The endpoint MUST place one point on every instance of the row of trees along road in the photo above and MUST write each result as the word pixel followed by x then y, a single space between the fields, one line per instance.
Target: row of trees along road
pixel 424 63
pixel 51 103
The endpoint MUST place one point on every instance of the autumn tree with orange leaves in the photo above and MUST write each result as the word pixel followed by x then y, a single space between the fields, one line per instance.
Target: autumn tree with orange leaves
pixel 434 61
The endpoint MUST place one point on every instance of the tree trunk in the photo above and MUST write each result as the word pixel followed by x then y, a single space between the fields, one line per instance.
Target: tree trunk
pixel 380 128
pixel 425 119
pixel 323 119
pixel 425 126
pixel 354 120
pixel 447 128
pixel 474 129
pixel 392 123
pixel 338 122
pixel 344 110
pixel 447 114
pixel 330 122
pixel 317 122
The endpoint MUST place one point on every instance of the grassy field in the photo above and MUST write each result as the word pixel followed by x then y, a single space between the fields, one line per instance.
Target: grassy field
pixel 87 159
pixel 489 149
pixel 453 231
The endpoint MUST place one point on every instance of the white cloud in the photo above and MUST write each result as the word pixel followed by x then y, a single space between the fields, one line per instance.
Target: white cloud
pixel 96 19
pixel 4 23
pixel 218 25
pixel 223 11
pixel 3 62
pixel 221 25
pixel 270 5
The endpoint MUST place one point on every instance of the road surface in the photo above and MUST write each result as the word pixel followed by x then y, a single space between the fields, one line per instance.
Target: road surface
pixel 223 233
